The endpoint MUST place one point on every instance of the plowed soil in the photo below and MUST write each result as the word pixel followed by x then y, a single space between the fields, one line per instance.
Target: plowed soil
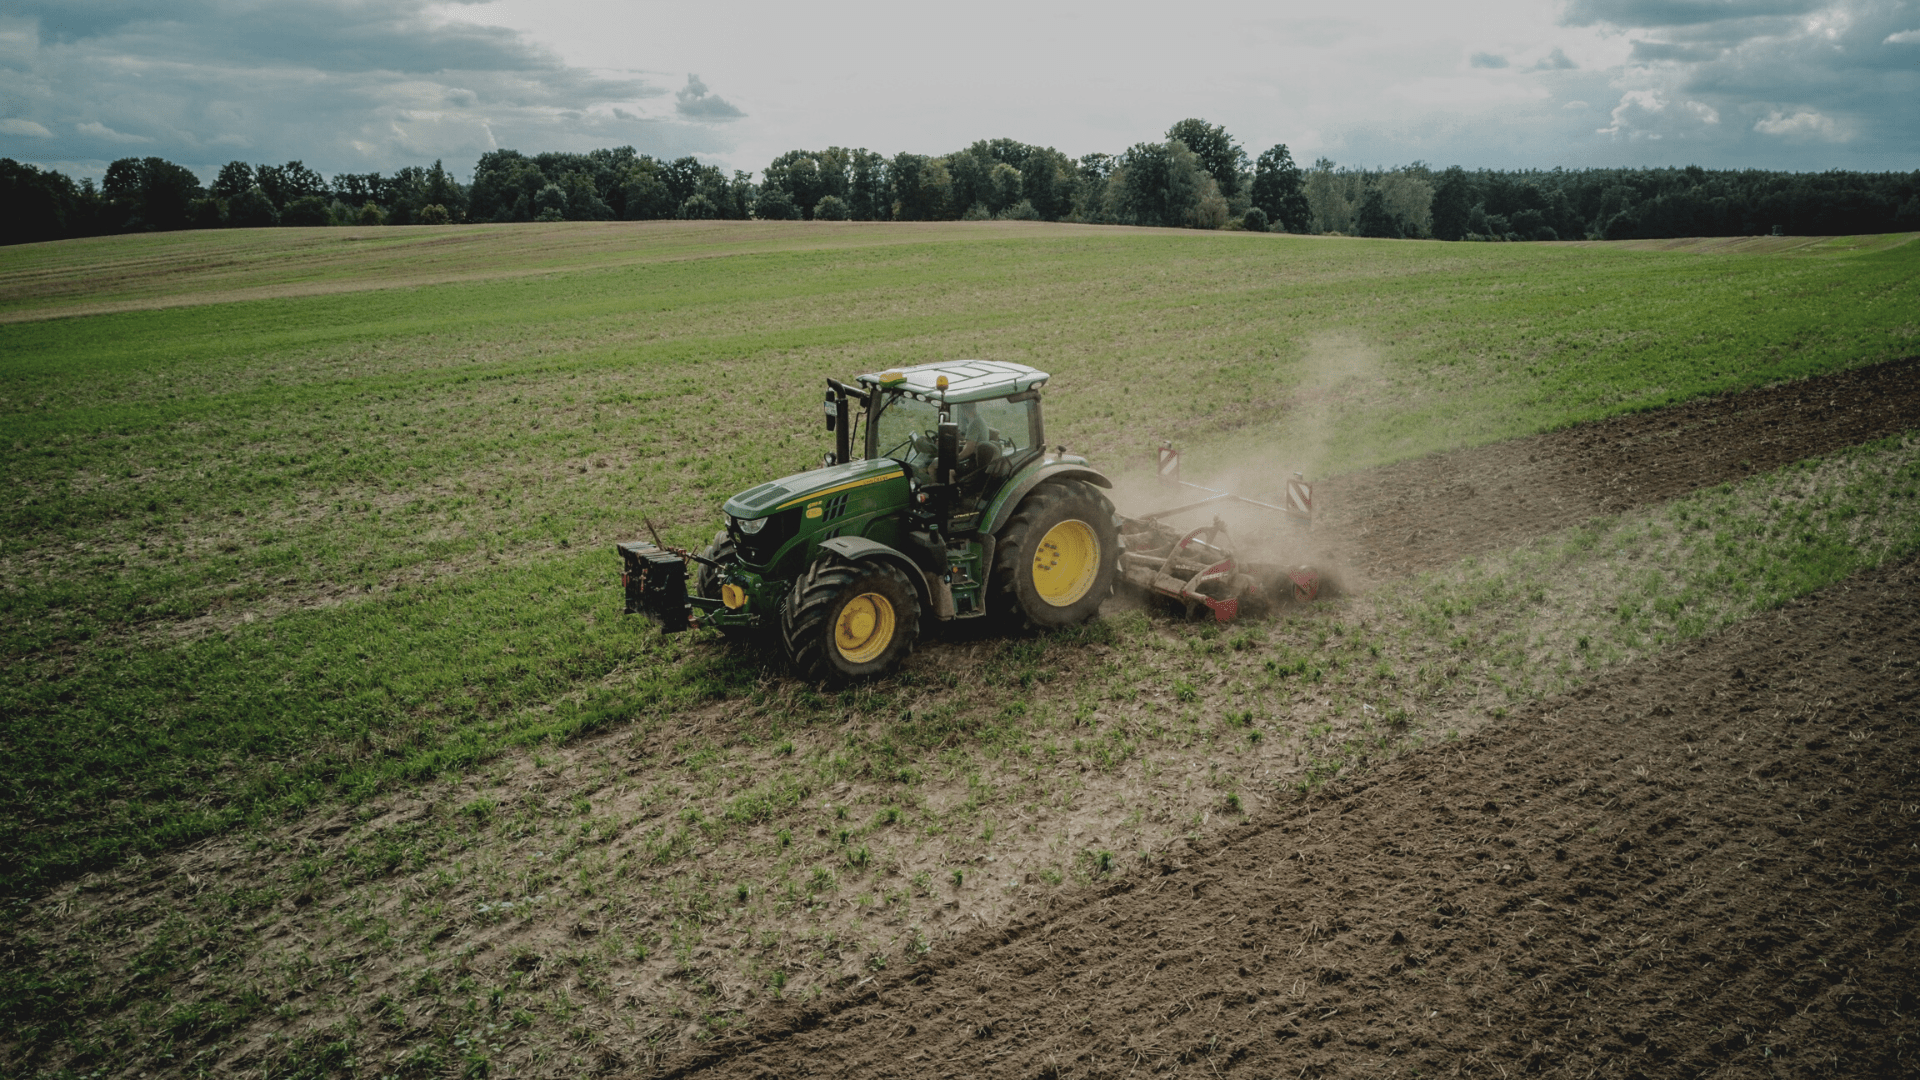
pixel 1431 512
pixel 1698 864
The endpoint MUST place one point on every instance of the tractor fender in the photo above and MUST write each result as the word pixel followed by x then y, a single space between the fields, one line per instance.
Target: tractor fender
pixel 1009 499
pixel 856 548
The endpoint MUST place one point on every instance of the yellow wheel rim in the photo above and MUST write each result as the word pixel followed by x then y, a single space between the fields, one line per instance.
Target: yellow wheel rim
pixel 864 629
pixel 1065 563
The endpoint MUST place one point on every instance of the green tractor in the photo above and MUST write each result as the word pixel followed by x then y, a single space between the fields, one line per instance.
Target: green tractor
pixel 939 501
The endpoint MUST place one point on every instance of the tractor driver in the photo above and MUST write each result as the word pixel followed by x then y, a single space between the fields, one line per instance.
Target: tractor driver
pixel 977 449
pixel 972 427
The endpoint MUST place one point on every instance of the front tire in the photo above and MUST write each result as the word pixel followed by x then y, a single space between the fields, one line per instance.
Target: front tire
pixel 846 621
pixel 1056 559
pixel 707 583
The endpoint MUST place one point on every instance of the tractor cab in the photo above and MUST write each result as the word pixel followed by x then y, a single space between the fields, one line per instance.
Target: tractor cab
pixel 960 428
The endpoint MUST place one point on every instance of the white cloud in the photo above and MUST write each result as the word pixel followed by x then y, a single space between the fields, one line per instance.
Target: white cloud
pixel 1802 124
pixel 344 85
pixel 101 131
pixel 1488 60
pixel 1576 105
pixel 696 101
pixel 12 126
pixel 1648 114
pixel 1739 59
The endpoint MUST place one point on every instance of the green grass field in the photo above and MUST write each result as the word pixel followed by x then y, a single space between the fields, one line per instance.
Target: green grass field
pixel 296 515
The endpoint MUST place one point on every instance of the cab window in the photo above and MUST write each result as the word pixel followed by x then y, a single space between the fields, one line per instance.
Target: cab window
pixel 905 430
pixel 1006 424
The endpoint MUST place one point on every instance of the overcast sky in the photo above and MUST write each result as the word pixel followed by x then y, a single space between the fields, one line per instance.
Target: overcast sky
pixel 351 86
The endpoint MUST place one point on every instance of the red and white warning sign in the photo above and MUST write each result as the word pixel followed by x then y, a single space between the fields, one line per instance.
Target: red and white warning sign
pixel 1299 496
pixel 1169 465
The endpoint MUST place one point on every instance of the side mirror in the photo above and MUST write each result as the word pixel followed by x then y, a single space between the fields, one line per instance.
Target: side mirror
pixel 827 460
pixel 841 424
pixel 949 452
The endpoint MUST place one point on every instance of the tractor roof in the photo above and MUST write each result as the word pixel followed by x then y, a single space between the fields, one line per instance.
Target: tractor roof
pixel 967 380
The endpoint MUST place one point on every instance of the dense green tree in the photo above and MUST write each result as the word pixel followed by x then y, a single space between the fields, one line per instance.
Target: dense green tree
pixel 306 211
pixel 1223 158
pixel 867 187
pixel 442 190
pixel 1408 195
pixel 1046 179
pixel 1279 191
pixel 1003 187
pixel 354 189
pixel 1374 219
pixel 285 183
pixel 235 178
pixel 207 213
pixel 251 209
pixel 1452 198
pixel 830 208
pixel 1159 183
pixel 583 197
pixel 798 173
pixel 774 204
pixel 42 205
pixel 922 188
pixel 1093 175
pixel 970 175
pixel 550 200
pixel 149 193
pixel 504 184
pixel 644 196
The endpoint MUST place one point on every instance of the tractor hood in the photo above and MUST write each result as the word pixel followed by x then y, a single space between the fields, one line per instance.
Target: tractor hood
pixel 789 491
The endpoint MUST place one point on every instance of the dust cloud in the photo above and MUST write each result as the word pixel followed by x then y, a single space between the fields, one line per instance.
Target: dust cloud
pixel 1300 440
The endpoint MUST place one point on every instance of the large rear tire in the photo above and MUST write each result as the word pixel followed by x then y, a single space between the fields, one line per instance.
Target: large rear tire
pixel 1056 558
pixel 844 621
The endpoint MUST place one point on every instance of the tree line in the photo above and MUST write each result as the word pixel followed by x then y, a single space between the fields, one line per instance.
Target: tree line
pixel 1197 176
pixel 1637 204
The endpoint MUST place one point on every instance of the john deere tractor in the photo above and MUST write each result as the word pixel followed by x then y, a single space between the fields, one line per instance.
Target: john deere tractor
pixel 940 501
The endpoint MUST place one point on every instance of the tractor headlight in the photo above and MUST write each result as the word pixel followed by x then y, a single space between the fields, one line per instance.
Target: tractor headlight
pixel 749 526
